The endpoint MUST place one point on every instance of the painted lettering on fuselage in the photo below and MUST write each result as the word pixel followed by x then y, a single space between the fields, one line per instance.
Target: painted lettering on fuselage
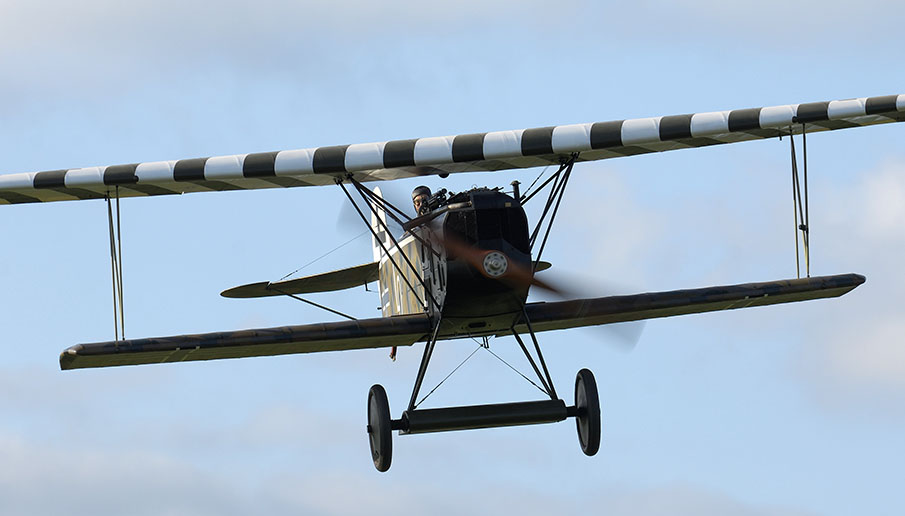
pixel 396 297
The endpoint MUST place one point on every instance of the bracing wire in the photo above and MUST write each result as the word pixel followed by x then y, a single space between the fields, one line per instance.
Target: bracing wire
pixel 501 359
pixel 328 253
pixel 450 374
pixel 536 179
pixel 516 370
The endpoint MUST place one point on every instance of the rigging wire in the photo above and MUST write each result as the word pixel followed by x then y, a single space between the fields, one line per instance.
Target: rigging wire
pixel 481 345
pixel 554 178
pixel 516 370
pixel 450 374
pixel 527 190
pixel 337 248
pixel 312 303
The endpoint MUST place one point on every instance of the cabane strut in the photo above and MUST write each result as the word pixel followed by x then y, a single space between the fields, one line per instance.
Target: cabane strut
pixel 560 179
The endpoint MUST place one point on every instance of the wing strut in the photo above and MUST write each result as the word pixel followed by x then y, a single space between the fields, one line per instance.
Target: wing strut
pixel 799 208
pixel 116 264
pixel 553 200
pixel 379 240
pixel 360 188
pixel 389 208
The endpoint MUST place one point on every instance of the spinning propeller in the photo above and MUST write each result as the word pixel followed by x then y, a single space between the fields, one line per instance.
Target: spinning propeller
pixel 493 264
pixel 496 265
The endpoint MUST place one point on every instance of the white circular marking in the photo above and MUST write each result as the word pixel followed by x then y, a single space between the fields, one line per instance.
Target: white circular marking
pixel 495 264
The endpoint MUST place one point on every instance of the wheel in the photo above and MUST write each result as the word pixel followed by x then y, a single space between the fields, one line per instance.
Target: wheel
pixel 588 418
pixel 379 433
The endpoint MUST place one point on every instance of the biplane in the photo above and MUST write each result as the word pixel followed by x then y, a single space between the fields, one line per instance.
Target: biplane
pixel 462 267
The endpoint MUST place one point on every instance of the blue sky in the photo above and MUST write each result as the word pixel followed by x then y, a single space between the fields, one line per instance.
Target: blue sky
pixel 793 410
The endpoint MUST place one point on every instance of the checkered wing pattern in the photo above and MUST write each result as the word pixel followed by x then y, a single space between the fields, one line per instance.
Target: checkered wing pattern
pixel 447 154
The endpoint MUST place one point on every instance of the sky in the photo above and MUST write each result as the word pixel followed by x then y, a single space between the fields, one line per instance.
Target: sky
pixel 789 410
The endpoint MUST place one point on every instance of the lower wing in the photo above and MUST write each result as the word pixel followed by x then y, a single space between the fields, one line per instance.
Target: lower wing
pixel 614 309
pixel 408 329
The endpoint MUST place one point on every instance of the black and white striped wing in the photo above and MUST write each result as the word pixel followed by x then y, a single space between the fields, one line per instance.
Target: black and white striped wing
pixel 448 154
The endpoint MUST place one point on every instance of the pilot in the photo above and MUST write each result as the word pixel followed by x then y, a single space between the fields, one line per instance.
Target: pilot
pixel 420 196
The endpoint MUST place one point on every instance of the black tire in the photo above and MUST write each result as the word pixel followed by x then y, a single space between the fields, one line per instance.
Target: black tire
pixel 588 418
pixel 380 435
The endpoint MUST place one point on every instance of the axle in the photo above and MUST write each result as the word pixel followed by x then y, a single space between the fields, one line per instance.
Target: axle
pixel 482 416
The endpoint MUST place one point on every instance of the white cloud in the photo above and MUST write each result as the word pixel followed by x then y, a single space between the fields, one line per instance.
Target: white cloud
pixel 871 353
pixel 705 237
pixel 862 356
pixel 85 452
pixel 69 478
pixel 625 231
pixel 262 30
pixel 770 23
pixel 880 202
pixel 682 499
pixel 107 46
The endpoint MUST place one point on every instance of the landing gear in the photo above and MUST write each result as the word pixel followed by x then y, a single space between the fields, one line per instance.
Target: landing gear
pixel 586 412
pixel 586 409
pixel 380 434
pixel 587 417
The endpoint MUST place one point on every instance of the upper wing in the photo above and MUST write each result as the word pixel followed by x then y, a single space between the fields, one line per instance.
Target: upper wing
pixel 614 309
pixel 447 154
pixel 403 330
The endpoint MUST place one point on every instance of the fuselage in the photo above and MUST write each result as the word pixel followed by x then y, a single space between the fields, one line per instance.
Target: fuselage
pixel 443 248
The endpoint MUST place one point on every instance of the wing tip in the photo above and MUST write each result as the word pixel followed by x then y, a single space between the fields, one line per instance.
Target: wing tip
pixel 251 290
pixel 69 356
pixel 847 282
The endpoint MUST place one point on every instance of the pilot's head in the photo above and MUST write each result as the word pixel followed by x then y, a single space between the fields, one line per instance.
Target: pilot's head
pixel 420 195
